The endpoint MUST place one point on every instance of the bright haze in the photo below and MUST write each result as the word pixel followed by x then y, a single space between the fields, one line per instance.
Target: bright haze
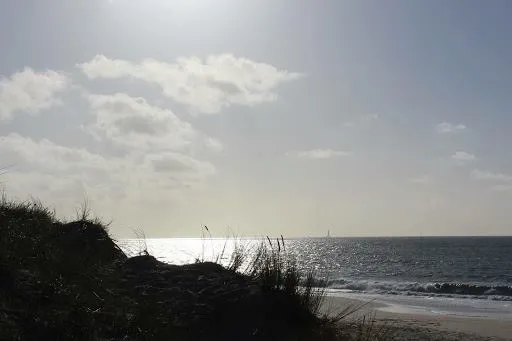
pixel 367 118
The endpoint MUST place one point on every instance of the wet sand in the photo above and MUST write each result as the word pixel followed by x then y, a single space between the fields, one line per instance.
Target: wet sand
pixel 427 327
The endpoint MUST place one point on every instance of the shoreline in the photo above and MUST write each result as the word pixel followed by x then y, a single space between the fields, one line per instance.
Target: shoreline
pixel 415 325
pixel 70 280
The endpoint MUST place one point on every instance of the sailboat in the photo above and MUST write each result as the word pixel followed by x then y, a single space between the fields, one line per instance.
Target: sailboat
pixel 328 234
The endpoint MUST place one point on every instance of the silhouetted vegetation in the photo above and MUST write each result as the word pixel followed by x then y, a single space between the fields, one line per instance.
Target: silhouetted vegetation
pixel 70 281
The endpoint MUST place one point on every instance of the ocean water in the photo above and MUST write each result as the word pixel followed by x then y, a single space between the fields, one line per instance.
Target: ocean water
pixel 438 274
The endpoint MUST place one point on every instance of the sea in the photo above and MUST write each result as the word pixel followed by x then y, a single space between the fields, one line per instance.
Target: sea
pixel 458 276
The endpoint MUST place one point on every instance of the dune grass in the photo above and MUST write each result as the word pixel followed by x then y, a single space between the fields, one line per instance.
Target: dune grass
pixel 69 280
pixel 277 273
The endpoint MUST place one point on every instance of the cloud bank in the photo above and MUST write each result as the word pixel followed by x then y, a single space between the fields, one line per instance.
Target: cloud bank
pixel 206 86
pixel 137 147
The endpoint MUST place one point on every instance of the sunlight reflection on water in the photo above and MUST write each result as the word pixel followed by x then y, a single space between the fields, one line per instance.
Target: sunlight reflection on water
pixel 187 250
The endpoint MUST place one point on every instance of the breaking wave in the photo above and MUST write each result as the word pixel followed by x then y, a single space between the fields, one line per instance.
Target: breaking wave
pixel 460 290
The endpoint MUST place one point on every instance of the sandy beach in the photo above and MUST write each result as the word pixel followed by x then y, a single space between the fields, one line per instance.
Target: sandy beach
pixel 427 327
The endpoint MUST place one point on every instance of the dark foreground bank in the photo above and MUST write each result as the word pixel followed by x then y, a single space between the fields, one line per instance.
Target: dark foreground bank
pixel 70 281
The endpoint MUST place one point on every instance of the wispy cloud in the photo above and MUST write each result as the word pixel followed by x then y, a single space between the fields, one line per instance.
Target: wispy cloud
pixel 463 157
pixel 31 92
pixel 205 86
pixel 319 154
pixel 501 182
pixel 487 175
pixel 213 144
pixel 502 188
pixel 449 128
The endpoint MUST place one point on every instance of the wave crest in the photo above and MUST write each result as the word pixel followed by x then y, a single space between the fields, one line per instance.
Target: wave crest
pixel 496 292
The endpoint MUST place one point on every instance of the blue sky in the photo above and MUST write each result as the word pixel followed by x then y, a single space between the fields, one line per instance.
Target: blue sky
pixel 261 117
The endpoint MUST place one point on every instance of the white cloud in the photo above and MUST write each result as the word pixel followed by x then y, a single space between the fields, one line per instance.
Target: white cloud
pixel 30 91
pixel 59 170
pixel 133 122
pixel 425 179
pixel 75 171
pixel 319 154
pixel 46 155
pixel 463 157
pixel 213 144
pixel 205 86
pixel 449 128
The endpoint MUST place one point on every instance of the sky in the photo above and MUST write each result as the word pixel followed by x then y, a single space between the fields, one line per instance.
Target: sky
pixel 367 118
